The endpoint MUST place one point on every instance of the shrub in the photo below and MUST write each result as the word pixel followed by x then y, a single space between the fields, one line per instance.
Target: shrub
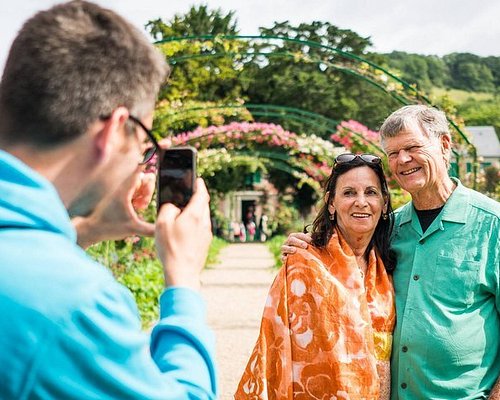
pixel 134 264
pixel 274 246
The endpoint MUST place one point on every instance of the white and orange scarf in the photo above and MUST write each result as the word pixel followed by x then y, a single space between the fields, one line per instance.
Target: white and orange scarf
pixel 324 329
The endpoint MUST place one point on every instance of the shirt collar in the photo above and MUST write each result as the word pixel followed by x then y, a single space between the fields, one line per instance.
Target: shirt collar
pixel 454 209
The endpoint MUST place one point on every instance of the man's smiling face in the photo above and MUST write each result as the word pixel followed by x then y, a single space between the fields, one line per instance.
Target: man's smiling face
pixel 417 159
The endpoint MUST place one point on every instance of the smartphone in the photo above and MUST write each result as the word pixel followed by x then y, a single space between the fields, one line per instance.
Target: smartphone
pixel 176 175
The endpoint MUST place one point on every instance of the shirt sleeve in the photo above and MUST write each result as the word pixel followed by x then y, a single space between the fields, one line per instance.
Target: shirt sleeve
pixel 103 354
pixel 495 240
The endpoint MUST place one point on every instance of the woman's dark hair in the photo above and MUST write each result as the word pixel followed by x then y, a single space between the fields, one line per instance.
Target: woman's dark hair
pixel 323 226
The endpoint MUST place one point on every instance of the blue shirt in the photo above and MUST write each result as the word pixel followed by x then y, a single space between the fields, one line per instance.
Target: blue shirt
pixel 447 337
pixel 68 330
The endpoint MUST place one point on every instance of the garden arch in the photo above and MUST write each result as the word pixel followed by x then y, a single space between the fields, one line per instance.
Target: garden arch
pixel 343 61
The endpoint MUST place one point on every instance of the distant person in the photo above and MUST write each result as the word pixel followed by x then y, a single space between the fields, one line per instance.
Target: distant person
pixel 250 224
pixel 263 227
pixel 243 233
pixel 76 100
pixel 446 342
pixel 327 327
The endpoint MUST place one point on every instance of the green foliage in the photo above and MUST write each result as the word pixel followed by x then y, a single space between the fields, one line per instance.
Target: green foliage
pixel 181 116
pixel 199 20
pixel 274 246
pixel 225 172
pixel 490 182
pixel 286 218
pixel 314 79
pixel 399 197
pixel 460 96
pixel 470 72
pixel 462 71
pixel 134 264
pixel 209 78
pixel 215 247
pixel 486 112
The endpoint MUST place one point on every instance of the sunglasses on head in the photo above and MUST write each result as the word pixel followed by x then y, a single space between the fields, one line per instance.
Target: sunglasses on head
pixel 349 157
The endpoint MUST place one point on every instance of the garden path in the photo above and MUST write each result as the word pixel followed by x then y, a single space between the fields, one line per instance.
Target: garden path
pixel 235 290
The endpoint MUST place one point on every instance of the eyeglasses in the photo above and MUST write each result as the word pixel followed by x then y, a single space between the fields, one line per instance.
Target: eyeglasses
pixel 349 157
pixel 150 151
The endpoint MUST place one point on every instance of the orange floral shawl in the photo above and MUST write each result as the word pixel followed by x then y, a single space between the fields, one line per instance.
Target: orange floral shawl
pixel 323 330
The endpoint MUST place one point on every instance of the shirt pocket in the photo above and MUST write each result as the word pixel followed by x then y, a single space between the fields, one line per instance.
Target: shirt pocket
pixel 455 281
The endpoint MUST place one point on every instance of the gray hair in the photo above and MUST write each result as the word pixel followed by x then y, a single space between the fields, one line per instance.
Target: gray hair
pixel 429 119
pixel 71 65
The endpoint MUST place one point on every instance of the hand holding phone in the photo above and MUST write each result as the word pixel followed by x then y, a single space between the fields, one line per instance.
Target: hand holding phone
pixel 183 239
pixel 176 175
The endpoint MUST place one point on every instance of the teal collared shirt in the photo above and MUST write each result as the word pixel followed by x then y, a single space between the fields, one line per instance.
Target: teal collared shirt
pixel 447 337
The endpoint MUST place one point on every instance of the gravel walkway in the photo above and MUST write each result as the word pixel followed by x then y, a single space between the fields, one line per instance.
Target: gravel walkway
pixel 235 291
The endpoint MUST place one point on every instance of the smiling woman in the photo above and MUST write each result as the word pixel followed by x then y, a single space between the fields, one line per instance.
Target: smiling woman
pixel 328 321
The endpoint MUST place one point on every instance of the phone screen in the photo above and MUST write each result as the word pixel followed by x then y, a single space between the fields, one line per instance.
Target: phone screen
pixel 176 176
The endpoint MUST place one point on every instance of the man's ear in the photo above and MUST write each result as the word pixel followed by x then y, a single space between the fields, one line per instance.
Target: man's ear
pixel 446 143
pixel 446 147
pixel 109 134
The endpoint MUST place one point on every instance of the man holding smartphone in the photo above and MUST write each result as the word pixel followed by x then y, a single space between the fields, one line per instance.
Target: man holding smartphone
pixel 76 100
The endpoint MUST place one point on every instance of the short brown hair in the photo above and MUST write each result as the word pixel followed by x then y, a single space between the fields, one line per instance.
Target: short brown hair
pixel 70 65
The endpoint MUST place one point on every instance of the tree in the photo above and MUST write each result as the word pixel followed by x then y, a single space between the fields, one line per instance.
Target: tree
pixel 424 71
pixel 469 72
pixel 213 77
pixel 197 21
pixel 304 77
pixel 486 112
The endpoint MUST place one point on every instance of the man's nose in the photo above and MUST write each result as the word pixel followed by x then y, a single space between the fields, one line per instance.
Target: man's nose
pixel 404 156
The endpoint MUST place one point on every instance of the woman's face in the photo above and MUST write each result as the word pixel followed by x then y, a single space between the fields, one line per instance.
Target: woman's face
pixel 358 202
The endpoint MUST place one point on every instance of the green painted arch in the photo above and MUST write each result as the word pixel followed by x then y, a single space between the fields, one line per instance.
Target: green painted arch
pixel 307 159
pixel 399 98
pixel 313 119
pixel 415 95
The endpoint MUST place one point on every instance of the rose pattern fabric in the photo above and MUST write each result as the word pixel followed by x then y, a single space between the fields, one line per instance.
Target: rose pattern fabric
pixel 325 330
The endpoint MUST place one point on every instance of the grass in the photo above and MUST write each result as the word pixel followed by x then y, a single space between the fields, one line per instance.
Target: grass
pixel 460 96
pixel 213 252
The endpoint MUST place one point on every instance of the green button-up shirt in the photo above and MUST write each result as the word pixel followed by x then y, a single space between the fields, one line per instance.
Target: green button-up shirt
pixel 447 337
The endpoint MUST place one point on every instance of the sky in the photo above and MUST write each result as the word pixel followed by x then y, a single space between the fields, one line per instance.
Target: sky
pixel 417 26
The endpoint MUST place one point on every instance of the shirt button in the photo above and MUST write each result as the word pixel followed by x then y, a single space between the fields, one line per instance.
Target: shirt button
pixel 416 277
pixel 404 349
pixel 404 385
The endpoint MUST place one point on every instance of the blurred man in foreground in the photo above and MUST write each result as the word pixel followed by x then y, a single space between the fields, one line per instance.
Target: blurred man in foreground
pixel 76 100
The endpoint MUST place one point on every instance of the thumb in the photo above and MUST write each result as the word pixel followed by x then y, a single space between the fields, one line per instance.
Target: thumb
pixel 143 228
pixel 168 213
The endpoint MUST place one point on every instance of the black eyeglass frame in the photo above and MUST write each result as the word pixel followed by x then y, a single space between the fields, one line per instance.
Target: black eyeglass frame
pixel 367 158
pixel 150 152
pixel 148 155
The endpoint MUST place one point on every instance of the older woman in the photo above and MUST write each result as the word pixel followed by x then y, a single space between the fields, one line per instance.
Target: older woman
pixel 327 327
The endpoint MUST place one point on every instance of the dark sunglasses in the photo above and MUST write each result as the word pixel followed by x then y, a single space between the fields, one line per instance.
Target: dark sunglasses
pixel 349 157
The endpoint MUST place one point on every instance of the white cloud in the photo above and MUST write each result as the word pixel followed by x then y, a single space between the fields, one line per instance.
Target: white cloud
pixel 424 26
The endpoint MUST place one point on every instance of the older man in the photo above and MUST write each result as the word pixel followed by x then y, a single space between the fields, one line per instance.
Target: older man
pixel 447 280
pixel 76 100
